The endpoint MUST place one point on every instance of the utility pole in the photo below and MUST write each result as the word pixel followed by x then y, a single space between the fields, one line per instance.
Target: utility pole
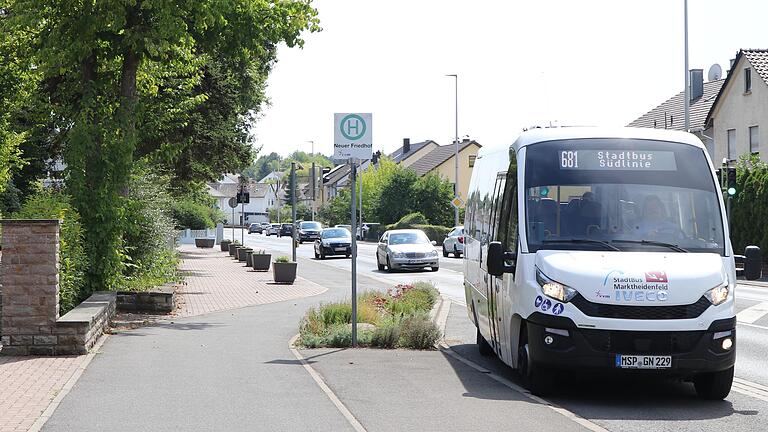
pixel 293 209
pixel 313 181
pixel 687 73
pixel 456 156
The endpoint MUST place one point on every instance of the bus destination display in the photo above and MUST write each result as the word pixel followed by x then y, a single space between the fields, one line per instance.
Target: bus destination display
pixel 630 160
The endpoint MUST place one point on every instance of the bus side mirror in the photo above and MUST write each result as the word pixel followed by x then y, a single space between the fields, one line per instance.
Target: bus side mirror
pixel 752 263
pixel 496 258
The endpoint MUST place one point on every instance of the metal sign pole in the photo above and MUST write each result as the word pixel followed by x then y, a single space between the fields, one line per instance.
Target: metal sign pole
pixel 242 215
pixel 354 254
pixel 293 210
pixel 361 202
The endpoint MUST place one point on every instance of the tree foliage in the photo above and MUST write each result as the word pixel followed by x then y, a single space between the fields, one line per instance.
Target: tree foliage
pixel 175 82
pixel 750 206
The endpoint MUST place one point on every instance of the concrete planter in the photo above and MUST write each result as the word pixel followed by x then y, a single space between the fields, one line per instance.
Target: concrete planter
pixel 225 245
pixel 241 253
pixel 284 272
pixel 233 248
pixel 205 242
pixel 260 262
pixel 248 256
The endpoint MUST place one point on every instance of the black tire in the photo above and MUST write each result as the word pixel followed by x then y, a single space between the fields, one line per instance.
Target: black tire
pixel 301 241
pixel 483 346
pixel 714 385
pixel 456 253
pixel 379 265
pixel 322 255
pixel 538 380
pixel 348 255
pixel 445 252
pixel 316 255
pixel 389 266
pixel 435 268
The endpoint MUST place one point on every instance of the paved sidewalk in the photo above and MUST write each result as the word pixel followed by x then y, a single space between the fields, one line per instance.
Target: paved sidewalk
pixel 29 384
pixel 214 281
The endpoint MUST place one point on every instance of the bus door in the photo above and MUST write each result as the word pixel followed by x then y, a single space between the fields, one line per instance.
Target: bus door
pixel 492 284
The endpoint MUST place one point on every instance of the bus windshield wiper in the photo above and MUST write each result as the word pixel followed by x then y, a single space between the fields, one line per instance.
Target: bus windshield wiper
pixel 583 240
pixel 674 247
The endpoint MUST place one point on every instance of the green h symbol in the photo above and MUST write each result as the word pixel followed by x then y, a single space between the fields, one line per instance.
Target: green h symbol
pixel 351 126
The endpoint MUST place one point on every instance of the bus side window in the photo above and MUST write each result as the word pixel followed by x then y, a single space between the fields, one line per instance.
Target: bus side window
pixel 508 226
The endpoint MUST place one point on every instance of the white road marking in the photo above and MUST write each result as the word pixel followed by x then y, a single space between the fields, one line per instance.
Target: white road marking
pixel 324 387
pixel 752 313
pixel 750 388
pixel 754 326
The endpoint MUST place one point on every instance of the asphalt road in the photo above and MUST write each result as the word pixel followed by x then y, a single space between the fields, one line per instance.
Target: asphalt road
pixel 634 405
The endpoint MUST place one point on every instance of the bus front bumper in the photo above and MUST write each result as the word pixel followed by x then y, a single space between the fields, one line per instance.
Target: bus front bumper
pixel 557 343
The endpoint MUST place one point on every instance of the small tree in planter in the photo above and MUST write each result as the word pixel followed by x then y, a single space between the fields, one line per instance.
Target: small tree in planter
pixel 260 260
pixel 233 248
pixel 284 270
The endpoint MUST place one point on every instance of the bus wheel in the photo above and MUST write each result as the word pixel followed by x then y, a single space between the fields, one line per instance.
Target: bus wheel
pixel 714 385
pixel 536 379
pixel 483 346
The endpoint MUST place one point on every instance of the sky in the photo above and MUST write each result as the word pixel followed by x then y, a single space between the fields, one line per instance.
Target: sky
pixel 519 64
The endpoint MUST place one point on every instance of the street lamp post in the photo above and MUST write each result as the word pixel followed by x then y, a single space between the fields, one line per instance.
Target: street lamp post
pixel 456 142
pixel 687 73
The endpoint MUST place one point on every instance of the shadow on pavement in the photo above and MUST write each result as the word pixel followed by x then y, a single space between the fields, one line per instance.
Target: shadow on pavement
pixel 169 325
pixel 307 358
pixel 601 396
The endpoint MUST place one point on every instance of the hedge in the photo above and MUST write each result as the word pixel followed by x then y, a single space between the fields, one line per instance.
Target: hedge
pixel 434 232
pixel 749 208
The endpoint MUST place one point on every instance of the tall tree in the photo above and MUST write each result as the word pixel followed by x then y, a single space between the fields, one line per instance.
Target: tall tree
pixel 106 63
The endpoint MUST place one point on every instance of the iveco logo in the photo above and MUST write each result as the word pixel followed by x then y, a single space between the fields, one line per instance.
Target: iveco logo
pixel 640 296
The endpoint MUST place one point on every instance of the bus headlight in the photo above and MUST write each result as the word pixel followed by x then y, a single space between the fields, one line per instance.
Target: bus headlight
pixel 717 294
pixel 554 289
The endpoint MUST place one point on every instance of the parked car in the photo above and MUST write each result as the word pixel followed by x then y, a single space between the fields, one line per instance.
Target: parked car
pixel 286 229
pixel 454 242
pixel 406 249
pixel 309 231
pixel 347 227
pixel 255 228
pixel 273 229
pixel 333 241
pixel 264 225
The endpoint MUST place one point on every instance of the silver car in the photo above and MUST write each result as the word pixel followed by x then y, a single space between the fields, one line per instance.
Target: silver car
pixel 273 229
pixel 406 249
pixel 454 242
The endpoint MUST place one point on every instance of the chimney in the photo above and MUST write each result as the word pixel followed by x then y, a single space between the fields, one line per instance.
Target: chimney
pixel 697 84
pixel 406 145
pixel 465 140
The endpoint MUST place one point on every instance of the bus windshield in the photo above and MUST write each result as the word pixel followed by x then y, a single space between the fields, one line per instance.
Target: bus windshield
pixel 627 195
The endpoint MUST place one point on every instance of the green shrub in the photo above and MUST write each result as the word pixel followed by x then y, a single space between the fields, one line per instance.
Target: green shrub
pixel 339 336
pixel 281 259
pixel 336 313
pixel 434 232
pixel 750 205
pixel 191 215
pixel 410 220
pixel 386 334
pixel 49 204
pixel 418 332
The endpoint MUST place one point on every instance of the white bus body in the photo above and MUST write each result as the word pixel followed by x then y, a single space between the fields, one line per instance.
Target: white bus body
pixel 605 250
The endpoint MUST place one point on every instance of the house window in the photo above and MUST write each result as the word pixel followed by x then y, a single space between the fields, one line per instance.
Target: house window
pixel 754 140
pixel 747 80
pixel 472 159
pixel 731 150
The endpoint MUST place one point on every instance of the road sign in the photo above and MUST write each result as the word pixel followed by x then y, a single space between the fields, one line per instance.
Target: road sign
pixel 352 136
pixel 457 202
pixel 233 202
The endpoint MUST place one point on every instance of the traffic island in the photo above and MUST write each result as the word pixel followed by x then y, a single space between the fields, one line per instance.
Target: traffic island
pixel 397 318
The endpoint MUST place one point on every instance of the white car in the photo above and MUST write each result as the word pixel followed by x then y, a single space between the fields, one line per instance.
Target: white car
pixel 273 229
pixel 406 249
pixel 454 242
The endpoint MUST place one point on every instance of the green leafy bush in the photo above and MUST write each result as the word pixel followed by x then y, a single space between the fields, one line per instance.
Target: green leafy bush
pixel 411 219
pixel 191 215
pixel 336 313
pixel 434 232
pixel 49 204
pixel 386 334
pixel 418 332
pixel 750 206
pixel 339 336
pixel 281 259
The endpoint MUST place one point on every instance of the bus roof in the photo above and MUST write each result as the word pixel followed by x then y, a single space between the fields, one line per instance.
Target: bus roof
pixel 538 135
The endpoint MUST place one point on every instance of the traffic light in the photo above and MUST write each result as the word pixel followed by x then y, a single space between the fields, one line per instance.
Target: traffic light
pixel 731 181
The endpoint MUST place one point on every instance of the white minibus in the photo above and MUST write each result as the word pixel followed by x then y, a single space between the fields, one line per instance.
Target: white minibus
pixel 602 250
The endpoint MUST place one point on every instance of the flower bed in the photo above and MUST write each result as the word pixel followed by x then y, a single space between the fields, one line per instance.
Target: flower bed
pixel 398 318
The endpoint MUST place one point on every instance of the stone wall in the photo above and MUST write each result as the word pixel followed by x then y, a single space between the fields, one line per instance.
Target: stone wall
pixel 29 295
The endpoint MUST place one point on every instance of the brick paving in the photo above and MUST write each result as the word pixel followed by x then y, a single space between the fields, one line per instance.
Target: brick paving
pixel 214 281
pixel 29 384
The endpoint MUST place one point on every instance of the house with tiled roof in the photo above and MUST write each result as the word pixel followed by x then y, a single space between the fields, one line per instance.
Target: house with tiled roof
pixel 411 152
pixel 441 160
pixel 739 114
pixel 261 197
pixel 670 114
